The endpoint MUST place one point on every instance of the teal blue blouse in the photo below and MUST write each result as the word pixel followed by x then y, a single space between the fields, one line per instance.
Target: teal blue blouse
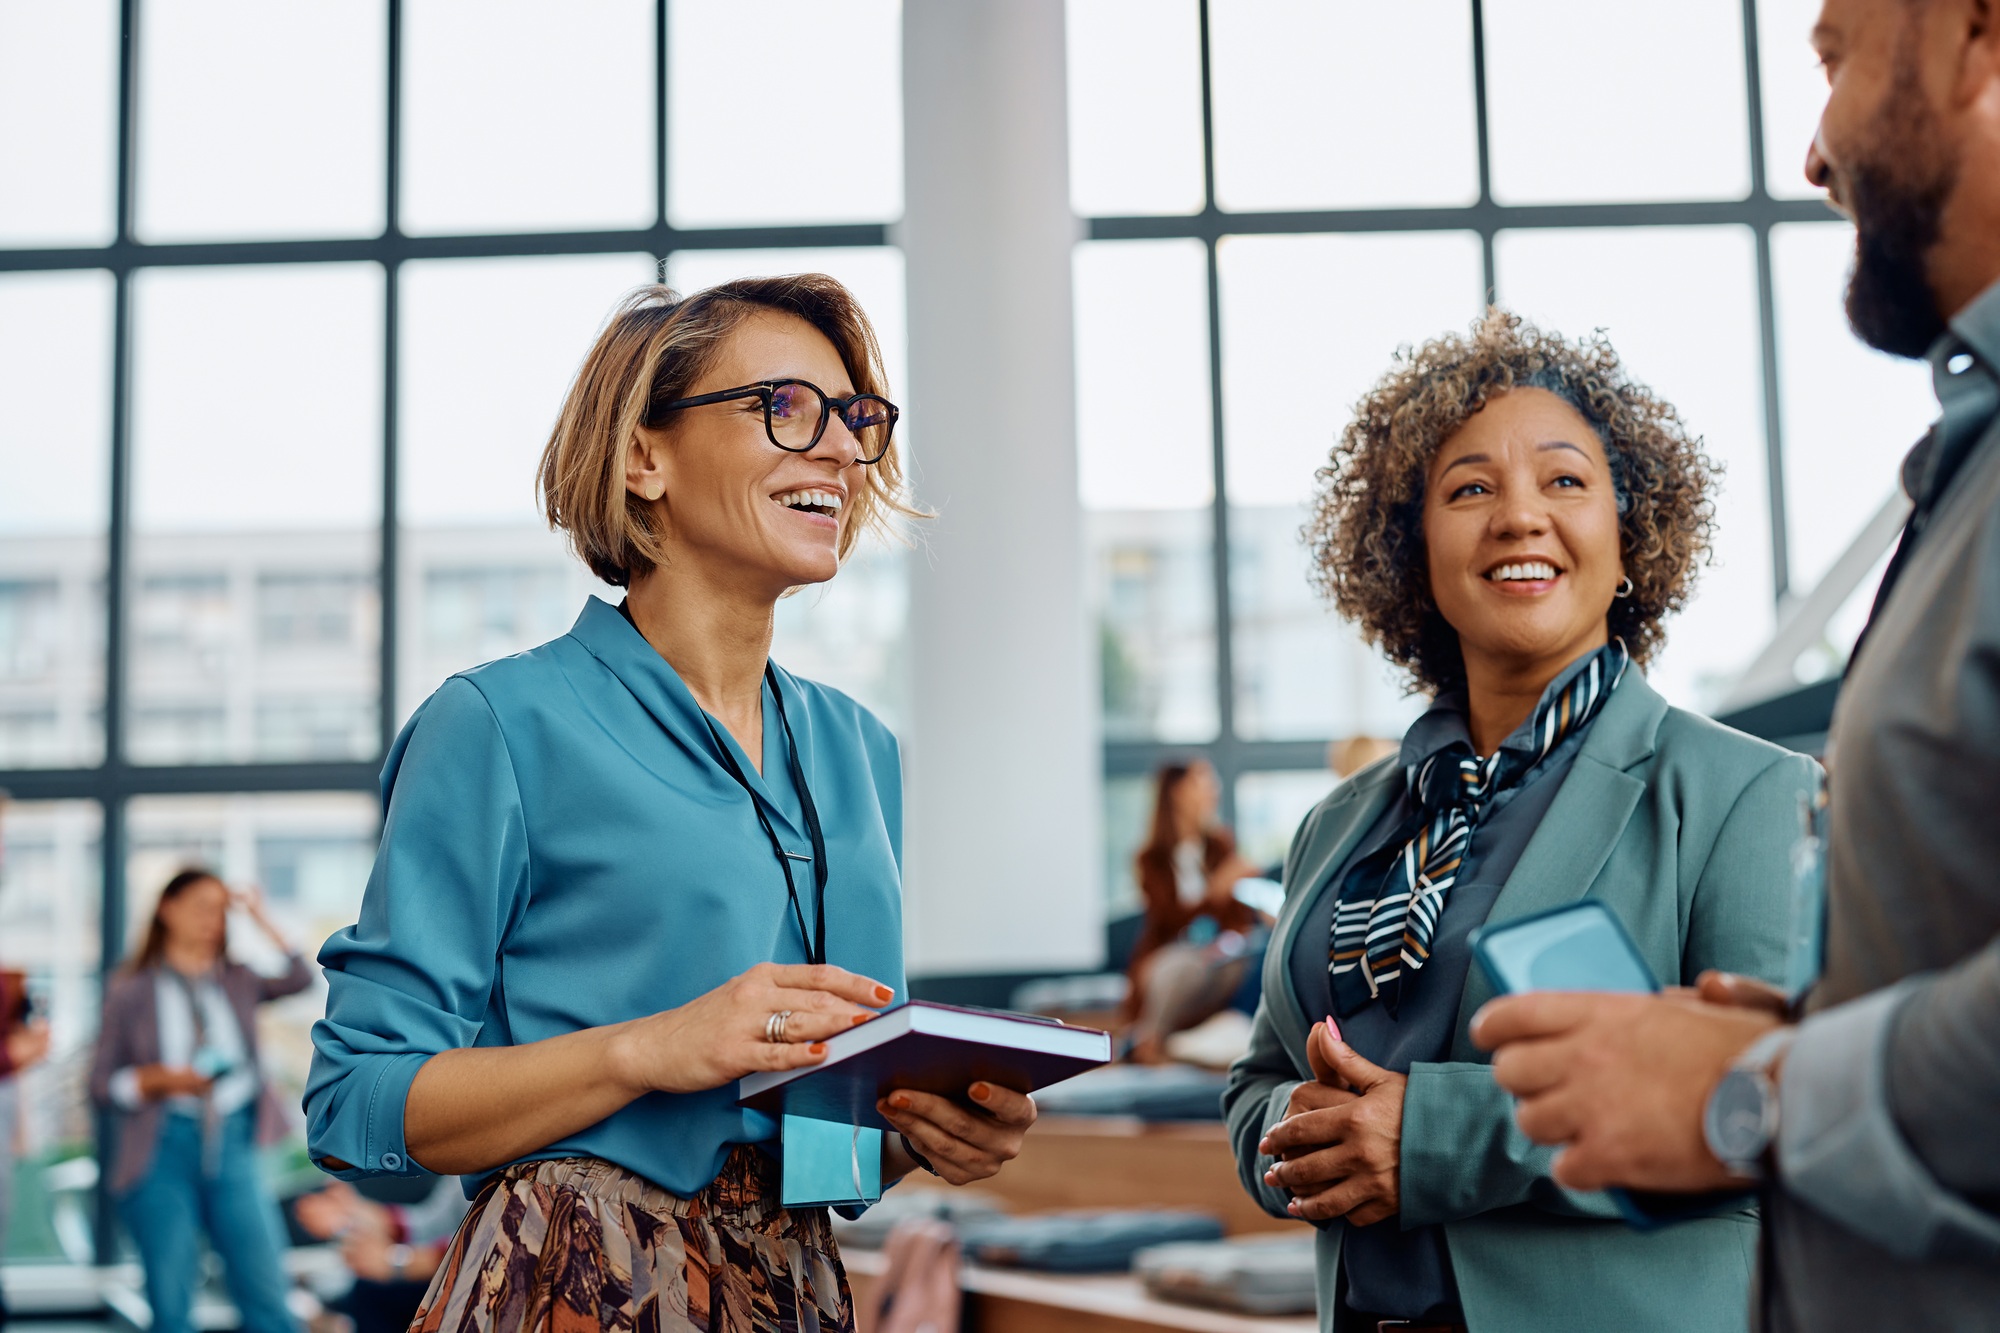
pixel 562 847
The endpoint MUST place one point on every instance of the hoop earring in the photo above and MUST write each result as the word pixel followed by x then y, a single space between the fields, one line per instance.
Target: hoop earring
pixel 1624 588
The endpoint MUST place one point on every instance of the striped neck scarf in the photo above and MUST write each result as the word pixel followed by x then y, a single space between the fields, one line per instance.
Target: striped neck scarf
pixel 1384 923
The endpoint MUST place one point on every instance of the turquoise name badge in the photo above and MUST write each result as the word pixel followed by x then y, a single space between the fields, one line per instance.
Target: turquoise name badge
pixel 830 1165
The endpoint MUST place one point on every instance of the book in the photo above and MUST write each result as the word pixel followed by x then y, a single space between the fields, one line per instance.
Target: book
pixel 925 1047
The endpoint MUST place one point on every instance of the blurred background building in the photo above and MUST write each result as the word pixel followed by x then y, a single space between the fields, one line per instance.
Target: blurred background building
pixel 290 294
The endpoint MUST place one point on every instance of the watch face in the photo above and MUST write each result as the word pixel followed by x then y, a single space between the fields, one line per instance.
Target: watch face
pixel 1736 1118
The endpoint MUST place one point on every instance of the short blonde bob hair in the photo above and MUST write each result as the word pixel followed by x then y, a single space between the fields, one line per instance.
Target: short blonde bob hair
pixel 653 349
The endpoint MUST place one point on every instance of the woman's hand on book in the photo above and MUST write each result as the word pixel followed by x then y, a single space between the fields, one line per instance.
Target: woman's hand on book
pixel 719 1037
pixel 962 1145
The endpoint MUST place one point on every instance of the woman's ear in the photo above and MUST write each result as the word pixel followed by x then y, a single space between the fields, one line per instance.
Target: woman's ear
pixel 645 464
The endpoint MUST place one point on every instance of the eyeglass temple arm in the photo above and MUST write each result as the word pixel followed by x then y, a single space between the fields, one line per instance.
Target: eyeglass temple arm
pixel 719 396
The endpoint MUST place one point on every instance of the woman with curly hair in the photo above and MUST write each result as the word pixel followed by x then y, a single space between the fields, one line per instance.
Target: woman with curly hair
pixel 1510 517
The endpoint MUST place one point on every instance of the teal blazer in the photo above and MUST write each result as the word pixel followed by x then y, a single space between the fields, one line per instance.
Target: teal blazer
pixel 1685 829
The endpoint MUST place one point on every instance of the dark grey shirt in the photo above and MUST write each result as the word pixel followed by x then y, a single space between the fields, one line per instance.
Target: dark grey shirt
pixel 1406 1274
pixel 1887 1212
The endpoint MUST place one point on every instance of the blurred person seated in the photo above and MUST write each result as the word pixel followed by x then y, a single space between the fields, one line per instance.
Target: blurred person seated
pixel 1350 755
pixel 393 1250
pixel 24 1040
pixel 176 1067
pixel 1197 942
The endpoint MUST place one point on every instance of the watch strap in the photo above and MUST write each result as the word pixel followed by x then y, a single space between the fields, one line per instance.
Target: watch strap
pixel 1762 1053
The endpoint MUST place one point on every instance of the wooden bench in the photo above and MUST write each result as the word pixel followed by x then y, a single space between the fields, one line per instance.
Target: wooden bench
pixel 999 1300
pixel 1121 1162
pixel 1106 1162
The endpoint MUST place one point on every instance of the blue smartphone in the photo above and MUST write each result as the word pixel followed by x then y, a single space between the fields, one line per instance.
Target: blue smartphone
pixel 1578 947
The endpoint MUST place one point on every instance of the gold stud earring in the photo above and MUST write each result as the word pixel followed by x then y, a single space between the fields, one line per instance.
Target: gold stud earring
pixel 654 490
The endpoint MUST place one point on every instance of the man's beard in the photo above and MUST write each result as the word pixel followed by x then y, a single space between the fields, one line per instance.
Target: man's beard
pixel 1898 212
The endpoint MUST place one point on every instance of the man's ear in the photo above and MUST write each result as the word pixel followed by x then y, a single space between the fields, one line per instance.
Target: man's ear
pixel 1975 31
pixel 646 464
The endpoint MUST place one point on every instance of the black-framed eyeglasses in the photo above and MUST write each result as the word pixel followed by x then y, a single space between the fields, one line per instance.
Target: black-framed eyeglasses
pixel 796 413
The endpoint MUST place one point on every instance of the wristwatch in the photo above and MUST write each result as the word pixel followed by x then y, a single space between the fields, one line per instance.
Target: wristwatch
pixel 1741 1119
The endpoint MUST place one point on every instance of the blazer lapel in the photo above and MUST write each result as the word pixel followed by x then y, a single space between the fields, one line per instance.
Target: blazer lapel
pixel 1584 823
pixel 1348 816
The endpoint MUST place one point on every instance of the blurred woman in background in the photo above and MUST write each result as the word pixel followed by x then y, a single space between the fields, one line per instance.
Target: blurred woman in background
pixel 177 1062
pixel 1187 872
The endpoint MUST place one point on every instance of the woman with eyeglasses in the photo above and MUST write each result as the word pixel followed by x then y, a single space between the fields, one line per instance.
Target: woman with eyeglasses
pixel 623 870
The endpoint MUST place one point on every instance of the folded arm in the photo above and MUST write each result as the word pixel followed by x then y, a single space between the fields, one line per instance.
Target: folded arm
pixel 1260 1086
pixel 1463 1153
pixel 1255 1098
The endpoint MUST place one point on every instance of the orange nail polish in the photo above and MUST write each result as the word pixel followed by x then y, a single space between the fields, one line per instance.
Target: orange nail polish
pixel 900 1102
pixel 884 994
pixel 817 1048
pixel 859 1019
pixel 980 1092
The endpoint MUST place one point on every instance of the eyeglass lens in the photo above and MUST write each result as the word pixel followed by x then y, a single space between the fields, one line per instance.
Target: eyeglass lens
pixel 797 410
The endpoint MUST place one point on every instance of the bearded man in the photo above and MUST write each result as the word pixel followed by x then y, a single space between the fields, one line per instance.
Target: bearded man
pixel 1872 1124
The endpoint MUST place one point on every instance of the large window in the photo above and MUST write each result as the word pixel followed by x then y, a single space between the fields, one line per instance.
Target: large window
pixel 289 297
pixel 1280 193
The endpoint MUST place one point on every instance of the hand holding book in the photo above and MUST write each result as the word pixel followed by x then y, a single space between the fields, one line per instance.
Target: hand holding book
pixel 962 1145
pixel 954 1081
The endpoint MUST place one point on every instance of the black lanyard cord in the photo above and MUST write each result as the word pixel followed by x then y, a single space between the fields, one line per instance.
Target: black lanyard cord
pixel 815 940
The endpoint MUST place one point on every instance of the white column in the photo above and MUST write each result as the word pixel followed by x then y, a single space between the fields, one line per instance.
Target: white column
pixel 1003 752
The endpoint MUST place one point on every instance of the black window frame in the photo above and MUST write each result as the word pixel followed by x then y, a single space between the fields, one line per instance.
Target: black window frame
pixel 115 781
pixel 1234 755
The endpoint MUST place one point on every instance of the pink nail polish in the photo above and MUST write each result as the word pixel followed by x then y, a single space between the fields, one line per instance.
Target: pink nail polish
pixel 1332 1028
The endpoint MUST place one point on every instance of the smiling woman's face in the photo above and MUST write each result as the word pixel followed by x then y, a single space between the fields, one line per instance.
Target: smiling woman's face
pixel 1521 534
pixel 735 504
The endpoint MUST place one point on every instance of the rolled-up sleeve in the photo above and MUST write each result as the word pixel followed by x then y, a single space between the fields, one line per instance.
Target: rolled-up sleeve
pixel 413 976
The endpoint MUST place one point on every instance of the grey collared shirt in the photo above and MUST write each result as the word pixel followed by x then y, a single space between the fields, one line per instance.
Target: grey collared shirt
pixel 1405 1274
pixel 1888 1209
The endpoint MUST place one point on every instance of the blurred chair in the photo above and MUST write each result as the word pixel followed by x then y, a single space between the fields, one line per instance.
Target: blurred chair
pixel 70 1185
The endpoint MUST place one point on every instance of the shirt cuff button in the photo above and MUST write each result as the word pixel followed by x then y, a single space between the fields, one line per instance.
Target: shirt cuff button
pixel 392 1162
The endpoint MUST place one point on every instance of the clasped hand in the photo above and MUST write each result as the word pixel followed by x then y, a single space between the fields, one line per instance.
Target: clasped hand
pixel 1339 1147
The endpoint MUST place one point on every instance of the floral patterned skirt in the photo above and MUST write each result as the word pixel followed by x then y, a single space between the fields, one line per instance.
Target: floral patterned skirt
pixel 578 1245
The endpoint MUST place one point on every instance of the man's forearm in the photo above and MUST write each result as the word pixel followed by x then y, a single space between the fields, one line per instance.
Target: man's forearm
pixel 1944 1074
pixel 1841 1151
